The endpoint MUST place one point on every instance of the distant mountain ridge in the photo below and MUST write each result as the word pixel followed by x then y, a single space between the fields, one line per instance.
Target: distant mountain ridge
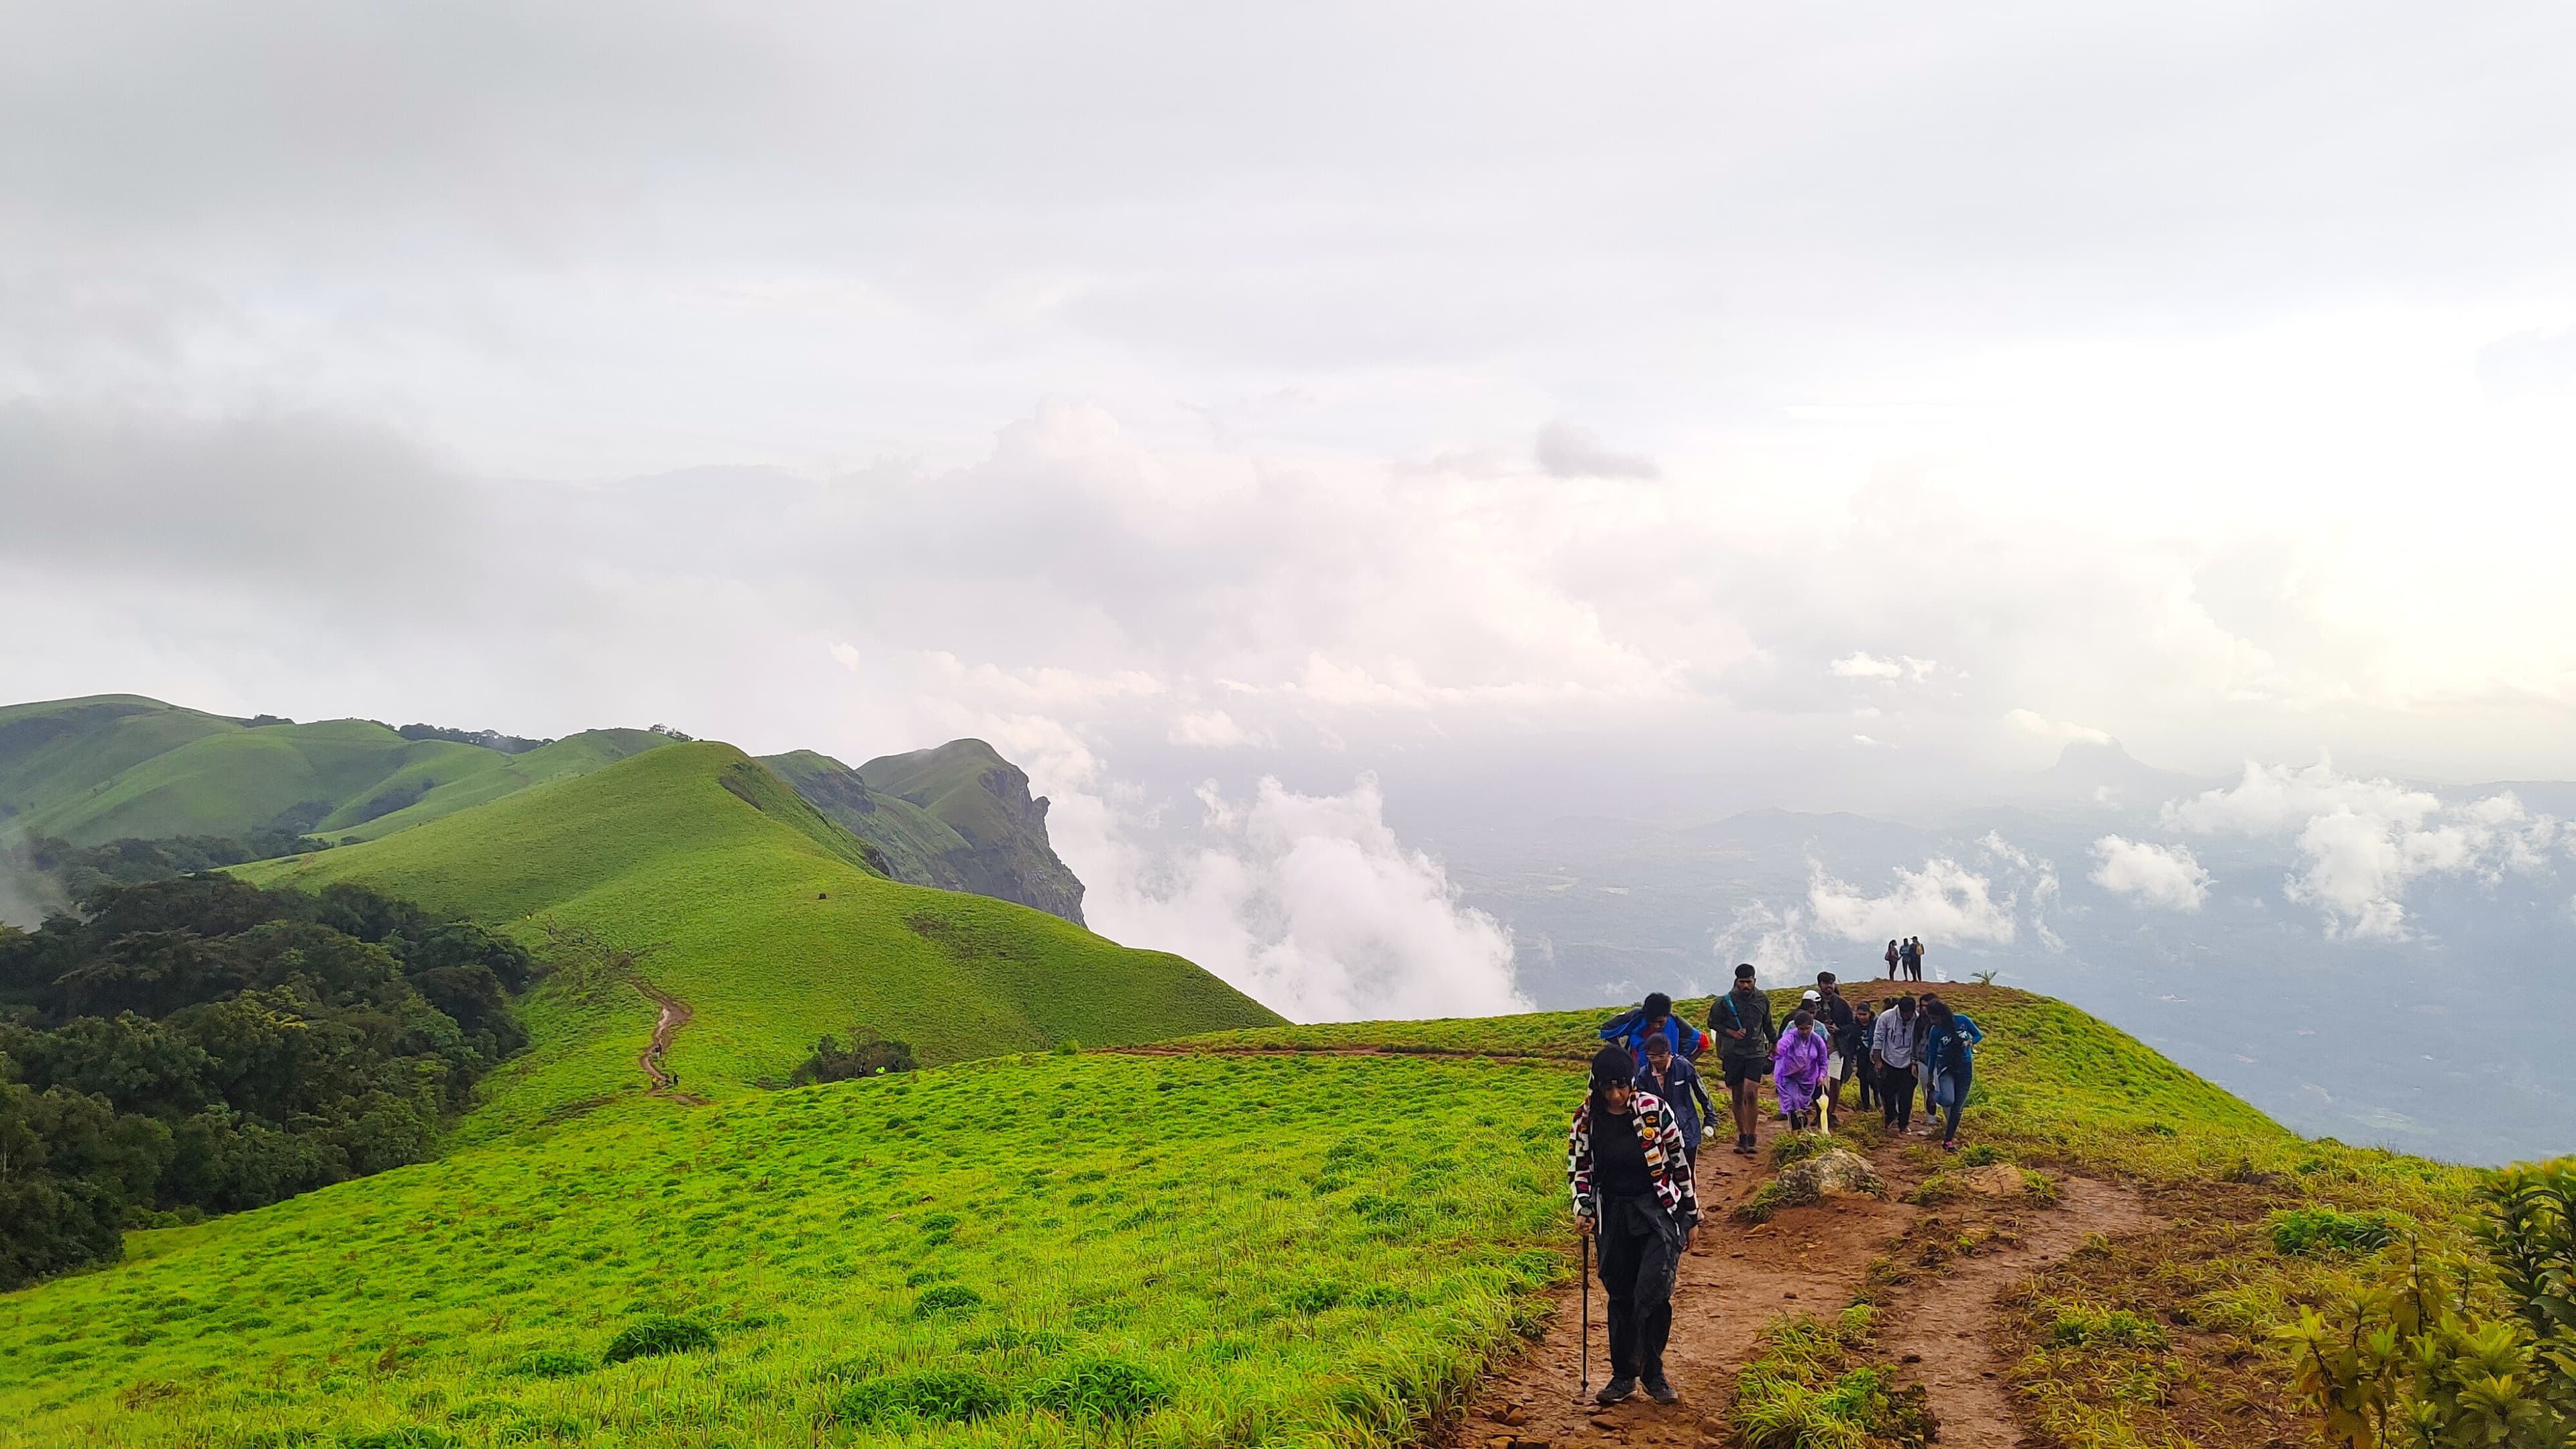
pixel 114 767
pixel 959 817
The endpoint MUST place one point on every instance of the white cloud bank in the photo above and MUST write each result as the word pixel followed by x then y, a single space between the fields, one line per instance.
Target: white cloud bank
pixel 1944 901
pixel 2164 876
pixel 1307 903
pixel 2367 840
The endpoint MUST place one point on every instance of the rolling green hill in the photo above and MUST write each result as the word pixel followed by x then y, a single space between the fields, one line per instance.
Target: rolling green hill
pixel 959 817
pixel 738 898
pixel 117 766
pixel 1280 1237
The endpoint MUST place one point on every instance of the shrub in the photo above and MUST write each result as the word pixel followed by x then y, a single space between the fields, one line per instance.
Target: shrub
pixel 1104 1388
pixel 945 1299
pixel 2324 1229
pixel 647 1338
pixel 550 1363
pixel 867 1055
pixel 941 1396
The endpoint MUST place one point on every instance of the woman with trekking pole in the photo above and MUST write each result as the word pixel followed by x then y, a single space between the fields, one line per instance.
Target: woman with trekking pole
pixel 1630 1175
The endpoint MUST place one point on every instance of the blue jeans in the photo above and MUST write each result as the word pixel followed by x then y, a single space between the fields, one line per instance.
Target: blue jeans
pixel 1954 1085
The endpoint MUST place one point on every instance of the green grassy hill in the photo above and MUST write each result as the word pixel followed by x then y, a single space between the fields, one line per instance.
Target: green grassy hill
pixel 1292 1236
pixel 764 917
pixel 958 816
pixel 114 766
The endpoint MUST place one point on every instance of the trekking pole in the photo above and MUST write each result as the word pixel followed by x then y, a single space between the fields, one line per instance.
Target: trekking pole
pixel 1586 1391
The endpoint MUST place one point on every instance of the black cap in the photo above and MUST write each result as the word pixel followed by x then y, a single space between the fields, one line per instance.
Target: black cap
pixel 1744 972
pixel 1611 1067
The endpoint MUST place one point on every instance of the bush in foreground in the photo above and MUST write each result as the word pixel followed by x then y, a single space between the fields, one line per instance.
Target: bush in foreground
pixel 1104 1388
pixel 939 1396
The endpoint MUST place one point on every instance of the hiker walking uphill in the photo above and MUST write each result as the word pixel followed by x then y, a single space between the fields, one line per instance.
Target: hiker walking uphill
pixel 1630 1175
pixel 1891 1051
pixel 1677 1083
pixel 1652 1018
pixel 1799 1079
pixel 1950 1046
pixel 1741 1021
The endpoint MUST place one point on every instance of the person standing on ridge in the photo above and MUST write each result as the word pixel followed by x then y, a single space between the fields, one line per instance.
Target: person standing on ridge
pixel 1918 958
pixel 1894 956
pixel 1741 1021
pixel 1630 1175
pixel 1891 1051
pixel 1652 1018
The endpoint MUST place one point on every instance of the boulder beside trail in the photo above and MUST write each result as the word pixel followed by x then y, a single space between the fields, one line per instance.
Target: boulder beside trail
pixel 1834 1172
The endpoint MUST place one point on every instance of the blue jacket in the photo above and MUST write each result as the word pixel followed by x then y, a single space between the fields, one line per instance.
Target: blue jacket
pixel 1963 1034
pixel 1683 1096
pixel 1628 1029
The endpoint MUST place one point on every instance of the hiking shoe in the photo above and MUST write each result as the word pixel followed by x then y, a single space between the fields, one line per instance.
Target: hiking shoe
pixel 1660 1391
pixel 1615 1392
pixel 1744 1145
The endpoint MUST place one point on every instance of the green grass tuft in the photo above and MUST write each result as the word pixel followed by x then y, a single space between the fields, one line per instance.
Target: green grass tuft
pixel 935 1396
pixel 951 1300
pixel 653 1337
pixel 1104 1388
pixel 2312 1230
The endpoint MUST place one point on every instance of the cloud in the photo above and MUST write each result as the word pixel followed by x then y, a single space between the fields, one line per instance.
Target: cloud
pixel 1773 938
pixel 2367 840
pixel 1213 729
pixel 1566 451
pixel 1864 666
pixel 2164 876
pixel 1307 903
pixel 1858 665
pixel 1942 901
pixel 2032 723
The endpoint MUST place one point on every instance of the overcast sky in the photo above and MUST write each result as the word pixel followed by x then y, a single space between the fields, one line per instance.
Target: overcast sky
pixel 1850 398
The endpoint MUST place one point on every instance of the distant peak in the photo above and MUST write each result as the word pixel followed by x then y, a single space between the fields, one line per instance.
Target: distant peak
pixel 2081 752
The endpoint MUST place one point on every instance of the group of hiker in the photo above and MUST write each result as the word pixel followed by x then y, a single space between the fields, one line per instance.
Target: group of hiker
pixel 1905 956
pixel 1635 1142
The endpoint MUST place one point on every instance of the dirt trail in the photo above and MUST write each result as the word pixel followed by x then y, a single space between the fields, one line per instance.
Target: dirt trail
pixel 1737 1278
pixel 1942 1327
pixel 675 1014
pixel 1943 1330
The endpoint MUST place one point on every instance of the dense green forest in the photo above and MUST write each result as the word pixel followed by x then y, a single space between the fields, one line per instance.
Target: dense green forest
pixel 199 1045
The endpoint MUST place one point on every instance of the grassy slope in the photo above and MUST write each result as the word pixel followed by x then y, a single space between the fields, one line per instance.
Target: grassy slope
pixel 572 755
pixel 762 918
pixel 91 770
pixel 1209 1216
pixel 55 752
pixel 1230 1224
pixel 915 843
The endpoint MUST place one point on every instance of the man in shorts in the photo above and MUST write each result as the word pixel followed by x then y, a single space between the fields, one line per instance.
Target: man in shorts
pixel 1741 1021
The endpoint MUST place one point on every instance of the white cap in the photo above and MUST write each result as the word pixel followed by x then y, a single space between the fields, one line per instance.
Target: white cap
pixel 1812 996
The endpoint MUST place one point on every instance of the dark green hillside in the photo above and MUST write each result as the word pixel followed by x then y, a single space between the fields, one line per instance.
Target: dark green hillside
pixel 762 916
pixel 959 817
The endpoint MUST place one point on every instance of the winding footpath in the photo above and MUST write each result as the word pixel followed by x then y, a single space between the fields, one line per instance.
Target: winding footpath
pixel 675 1014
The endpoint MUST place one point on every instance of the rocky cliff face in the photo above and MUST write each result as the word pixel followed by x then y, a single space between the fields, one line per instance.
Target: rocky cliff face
pixel 958 817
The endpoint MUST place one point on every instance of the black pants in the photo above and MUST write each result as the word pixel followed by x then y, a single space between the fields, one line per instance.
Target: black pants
pixel 1641 1250
pixel 1896 1097
pixel 1856 1066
